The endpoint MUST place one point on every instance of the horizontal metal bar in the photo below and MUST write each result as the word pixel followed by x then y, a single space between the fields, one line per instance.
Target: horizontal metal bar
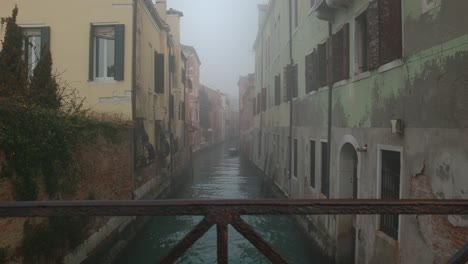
pixel 237 207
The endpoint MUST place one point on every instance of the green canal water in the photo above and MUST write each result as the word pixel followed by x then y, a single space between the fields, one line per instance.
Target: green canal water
pixel 216 174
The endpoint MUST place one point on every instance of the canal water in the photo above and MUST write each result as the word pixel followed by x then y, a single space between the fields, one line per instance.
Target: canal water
pixel 217 174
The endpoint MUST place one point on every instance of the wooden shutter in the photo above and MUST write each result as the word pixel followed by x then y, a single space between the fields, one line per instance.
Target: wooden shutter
pixel 259 103
pixel 329 61
pixel 91 54
pixel 285 83
pixel 322 64
pixel 119 52
pixel 390 31
pixel 277 89
pixel 346 48
pixel 45 37
pixel 158 73
pixel 264 99
pixel 308 68
pixel 294 81
pixel 314 70
pixel 172 62
pixel 337 67
pixel 373 36
pixel 171 106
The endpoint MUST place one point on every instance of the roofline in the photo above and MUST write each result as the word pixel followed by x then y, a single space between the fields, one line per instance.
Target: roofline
pixel 270 4
pixel 193 50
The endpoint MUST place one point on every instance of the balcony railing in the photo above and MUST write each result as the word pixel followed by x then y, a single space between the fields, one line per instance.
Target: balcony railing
pixel 228 212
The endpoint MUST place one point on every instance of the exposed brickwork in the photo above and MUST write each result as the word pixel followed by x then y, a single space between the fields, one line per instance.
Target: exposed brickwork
pixel 105 174
pixel 444 238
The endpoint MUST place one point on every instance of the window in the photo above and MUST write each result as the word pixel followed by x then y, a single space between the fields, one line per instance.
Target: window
pixel 296 14
pixel 295 157
pixel 311 71
pixel 159 73
pixel 384 32
pixel 171 106
pixel 278 89
pixel 312 163
pixel 390 189
pixel 324 169
pixel 264 99
pixel 290 73
pixel 340 53
pixel 107 53
pixel 34 41
pixel 322 64
pixel 360 44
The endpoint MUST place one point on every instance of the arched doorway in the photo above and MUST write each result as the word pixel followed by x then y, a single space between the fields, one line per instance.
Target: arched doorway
pixel 346 224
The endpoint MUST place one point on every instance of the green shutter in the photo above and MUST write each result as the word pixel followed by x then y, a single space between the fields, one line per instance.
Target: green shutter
pixel 119 52
pixel 45 37
pixel 91 54
pixel 158 73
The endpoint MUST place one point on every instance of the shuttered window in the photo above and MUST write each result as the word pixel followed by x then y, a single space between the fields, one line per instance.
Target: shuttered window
pixel 291 72
pixel 324 169
pixel 264 99
pixel 158 73
pixel 340 43
pixel 311 73
pixel 106 52
pixel 172 64
pixel 322 64
pixel 391 34
pixel 278 89
pixel 171 106
pixel 259 103
pixel 312 164
pixel 384 32
pixel 295 158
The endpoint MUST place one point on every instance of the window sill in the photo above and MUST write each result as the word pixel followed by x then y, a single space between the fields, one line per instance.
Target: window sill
pixel 103 81
pixel 390 65
pixel 312 92
pixel 361 76
pixel 322 89
pixel 340 83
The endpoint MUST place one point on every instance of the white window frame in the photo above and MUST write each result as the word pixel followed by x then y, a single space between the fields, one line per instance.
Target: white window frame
pixel 381 147
pixel 102 79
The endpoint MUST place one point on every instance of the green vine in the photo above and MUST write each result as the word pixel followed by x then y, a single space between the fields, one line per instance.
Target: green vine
pixel 3 255
pixel 41 142
pixel 49 240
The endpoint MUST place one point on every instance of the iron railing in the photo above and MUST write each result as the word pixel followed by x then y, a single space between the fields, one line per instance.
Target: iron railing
pixel 228 212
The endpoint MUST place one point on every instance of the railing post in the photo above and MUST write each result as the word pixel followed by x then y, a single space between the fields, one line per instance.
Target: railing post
pixel 222 243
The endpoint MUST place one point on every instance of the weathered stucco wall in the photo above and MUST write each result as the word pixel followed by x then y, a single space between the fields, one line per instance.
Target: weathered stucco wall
pixel 427 89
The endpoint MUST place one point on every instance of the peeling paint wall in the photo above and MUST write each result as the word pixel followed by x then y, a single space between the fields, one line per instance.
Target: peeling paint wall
pixel 427 89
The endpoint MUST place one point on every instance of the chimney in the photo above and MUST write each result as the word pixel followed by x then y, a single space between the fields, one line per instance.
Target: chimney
pixel 173 19
pixel 161 7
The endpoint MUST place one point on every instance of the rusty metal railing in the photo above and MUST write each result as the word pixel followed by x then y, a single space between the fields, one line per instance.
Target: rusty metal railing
pixel 228 212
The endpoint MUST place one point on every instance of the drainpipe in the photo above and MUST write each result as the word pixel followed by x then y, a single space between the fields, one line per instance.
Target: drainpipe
pixel 133 99
pixel 170 94
pixel 330 101
pixel 288 85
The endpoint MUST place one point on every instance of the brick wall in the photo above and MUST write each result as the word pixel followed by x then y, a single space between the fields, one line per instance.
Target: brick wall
pixel 440 234
pixel 105 173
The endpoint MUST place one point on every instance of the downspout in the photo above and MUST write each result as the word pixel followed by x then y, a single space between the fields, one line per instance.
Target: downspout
pixel 133 99
pixel 170 94
pixel 288 85
pixel 330 101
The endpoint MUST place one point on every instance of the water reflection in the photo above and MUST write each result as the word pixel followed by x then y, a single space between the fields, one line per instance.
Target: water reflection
pixel 219 175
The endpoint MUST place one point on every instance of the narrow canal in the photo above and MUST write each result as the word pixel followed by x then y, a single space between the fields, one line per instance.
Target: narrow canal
pixel 217 174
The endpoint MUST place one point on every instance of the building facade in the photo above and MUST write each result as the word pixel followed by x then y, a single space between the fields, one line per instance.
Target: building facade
pixel 192 110
pixel 124 59
pixel 395 73
pixel 247 110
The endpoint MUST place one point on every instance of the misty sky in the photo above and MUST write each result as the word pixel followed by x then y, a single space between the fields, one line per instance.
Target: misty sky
pixel 223 33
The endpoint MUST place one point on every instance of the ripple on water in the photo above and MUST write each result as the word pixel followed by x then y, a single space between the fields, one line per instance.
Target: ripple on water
pixel 218 175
